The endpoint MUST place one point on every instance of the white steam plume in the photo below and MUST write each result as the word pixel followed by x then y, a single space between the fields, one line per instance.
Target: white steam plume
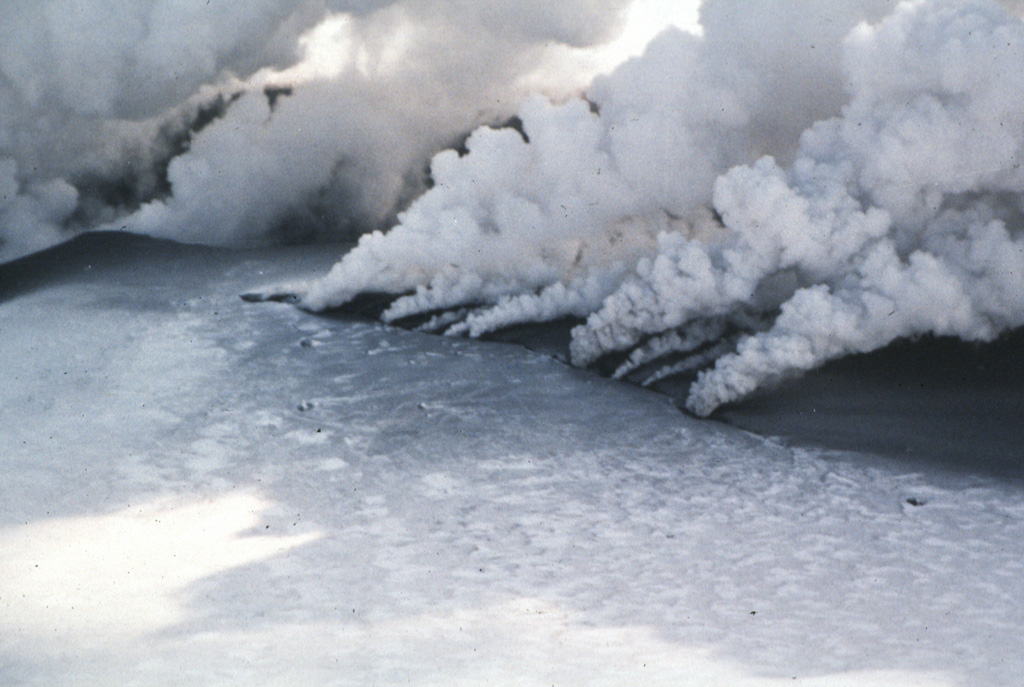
pixel 80 84
pixel 565 216
pixel 225 122
pixel 902 216
pixel 834 175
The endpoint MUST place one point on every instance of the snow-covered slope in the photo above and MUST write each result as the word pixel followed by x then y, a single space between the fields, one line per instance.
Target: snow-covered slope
pixel 197 490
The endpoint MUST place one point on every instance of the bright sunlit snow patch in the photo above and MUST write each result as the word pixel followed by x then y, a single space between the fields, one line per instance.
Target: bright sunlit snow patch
pixel 110 577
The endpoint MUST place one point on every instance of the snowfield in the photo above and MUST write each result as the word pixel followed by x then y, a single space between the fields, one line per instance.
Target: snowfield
pixel 201 491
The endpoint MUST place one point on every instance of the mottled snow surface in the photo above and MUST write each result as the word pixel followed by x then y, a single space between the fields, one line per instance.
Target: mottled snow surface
pixel 201 491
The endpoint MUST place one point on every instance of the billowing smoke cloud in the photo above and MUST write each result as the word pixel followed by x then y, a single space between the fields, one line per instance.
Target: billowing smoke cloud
pixel 83 84
pixel 797 180
pixel 576 201
pixel 803 181
pixel 218 122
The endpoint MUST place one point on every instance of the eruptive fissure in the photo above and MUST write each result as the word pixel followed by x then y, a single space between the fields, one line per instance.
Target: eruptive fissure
pixel 783 185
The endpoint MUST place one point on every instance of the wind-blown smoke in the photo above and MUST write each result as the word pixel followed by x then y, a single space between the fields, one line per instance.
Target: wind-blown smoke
pixel 267 120
pixel 83 86
pixel 803 181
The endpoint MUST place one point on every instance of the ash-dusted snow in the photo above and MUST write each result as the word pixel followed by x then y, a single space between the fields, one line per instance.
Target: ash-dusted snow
pixel 197 491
